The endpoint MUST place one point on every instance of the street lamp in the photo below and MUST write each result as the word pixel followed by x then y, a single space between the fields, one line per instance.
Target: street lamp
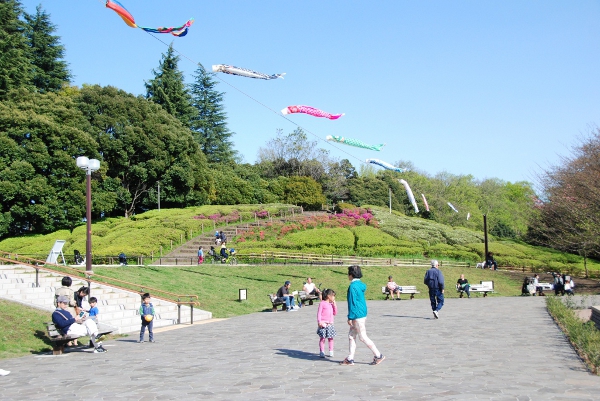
pixel 89 165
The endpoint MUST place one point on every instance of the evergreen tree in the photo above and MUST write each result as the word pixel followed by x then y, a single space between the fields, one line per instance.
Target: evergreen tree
pixel 210 123
pixel 50 72
pixel 168 89
pixel 15 65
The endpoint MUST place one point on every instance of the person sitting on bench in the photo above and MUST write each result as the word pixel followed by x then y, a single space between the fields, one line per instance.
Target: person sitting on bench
pixel 490 262
pixel 463 284
pixel 310 288
pixel 393 288
pixel 284 295
pixel 68 325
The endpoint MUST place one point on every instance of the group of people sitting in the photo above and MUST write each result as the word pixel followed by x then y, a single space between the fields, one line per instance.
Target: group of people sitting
pixel 284 295
pixel 70 318
pixel 394 289
pixel 562 284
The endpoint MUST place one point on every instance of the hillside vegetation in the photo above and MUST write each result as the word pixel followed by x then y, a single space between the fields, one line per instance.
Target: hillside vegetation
pixel 372 232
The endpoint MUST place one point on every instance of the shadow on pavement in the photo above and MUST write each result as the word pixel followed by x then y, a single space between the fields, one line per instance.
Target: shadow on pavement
pixel 293 353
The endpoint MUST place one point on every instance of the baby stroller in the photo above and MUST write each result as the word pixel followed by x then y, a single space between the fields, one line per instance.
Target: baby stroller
pixel 213 255
pixel 79 260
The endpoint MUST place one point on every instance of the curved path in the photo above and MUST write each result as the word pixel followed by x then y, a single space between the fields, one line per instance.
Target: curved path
pixel 479 349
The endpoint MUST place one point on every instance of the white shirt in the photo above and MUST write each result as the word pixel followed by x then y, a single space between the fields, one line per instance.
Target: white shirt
pixel 309 287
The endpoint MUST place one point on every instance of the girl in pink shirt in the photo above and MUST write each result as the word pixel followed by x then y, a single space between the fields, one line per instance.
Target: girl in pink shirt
pixel 327 310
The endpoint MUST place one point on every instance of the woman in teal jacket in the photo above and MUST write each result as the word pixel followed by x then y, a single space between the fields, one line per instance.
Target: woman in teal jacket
pixel 357 316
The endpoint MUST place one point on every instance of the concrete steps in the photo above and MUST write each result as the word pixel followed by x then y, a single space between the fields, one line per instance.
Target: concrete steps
pixel 118 308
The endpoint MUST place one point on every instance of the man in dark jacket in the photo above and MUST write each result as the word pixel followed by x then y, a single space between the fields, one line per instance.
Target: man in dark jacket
pixel 434 279
pixel 74 326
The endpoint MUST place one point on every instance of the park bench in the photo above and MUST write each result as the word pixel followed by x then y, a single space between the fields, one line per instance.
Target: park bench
pixel 404 289
pixel 304 297
pixel 484 286
pixel 275 302
pixel 60 340
pixel 541 287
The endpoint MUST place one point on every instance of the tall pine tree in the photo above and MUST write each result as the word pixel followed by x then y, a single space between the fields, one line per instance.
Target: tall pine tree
pixel 210 124
pixel 50 72
pixel 168 89
pixel 15 64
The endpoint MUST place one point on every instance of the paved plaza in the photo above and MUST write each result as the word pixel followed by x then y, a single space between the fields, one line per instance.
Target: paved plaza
pixel 480 349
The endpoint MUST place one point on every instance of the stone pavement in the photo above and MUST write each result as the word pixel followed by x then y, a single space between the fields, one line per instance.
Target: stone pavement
pixel 480 349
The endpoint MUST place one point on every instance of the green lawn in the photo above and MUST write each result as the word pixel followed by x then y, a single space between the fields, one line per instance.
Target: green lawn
pixel 217 286
pixel 22 330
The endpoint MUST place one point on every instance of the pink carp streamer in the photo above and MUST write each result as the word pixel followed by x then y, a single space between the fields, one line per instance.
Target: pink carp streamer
pixel 425 202
pixel 311 111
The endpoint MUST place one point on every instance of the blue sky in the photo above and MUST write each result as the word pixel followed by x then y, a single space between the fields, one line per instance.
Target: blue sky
pixel 487 88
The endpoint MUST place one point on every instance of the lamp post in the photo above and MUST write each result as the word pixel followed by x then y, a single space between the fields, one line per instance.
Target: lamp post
pixel 89 165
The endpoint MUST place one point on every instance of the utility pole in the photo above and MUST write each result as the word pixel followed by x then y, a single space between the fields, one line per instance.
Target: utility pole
pixel 485 236
pixel 158 195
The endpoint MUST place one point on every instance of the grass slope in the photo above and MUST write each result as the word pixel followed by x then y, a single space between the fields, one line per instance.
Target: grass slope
pixel 22 330
pixel 394 235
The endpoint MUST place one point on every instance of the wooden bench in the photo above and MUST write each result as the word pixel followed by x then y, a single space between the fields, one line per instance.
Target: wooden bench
pixel 275 302
pixel 403 289
pixel 484 286
pixel 541 287
pixel 304 297
pixel 60 340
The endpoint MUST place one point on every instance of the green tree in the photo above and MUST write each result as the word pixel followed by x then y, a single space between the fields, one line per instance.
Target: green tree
pixel 141 144
pixel 209 124
pixel 50 71
pixel 305 192
pixel 15 62
pixel 41 188
pixel 168 89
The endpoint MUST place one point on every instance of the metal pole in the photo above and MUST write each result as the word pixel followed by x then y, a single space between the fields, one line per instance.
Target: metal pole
pixel 158 195
pixel 37 272
pixel 88 216
pixel 191 312
pixel 178 311
pixel 485 236
pixel 390 193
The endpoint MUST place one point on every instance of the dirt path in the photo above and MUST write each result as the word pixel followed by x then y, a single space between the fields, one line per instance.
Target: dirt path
pixel 582 286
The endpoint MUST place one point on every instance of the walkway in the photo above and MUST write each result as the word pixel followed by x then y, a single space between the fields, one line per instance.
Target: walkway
pixel 479 349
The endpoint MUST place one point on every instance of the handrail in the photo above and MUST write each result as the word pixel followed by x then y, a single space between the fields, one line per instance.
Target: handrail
pixel 87 278
pixel 336 259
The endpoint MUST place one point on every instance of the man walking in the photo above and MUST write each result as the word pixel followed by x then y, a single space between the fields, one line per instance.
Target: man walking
pixel 434 279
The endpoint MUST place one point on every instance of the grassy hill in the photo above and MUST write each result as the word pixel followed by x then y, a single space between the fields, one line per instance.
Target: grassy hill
pixel 369 233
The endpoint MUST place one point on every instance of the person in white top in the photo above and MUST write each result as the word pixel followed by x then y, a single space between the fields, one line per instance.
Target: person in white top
pixel 310 288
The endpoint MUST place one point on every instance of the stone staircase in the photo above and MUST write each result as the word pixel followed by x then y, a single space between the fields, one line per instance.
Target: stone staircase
pixel 118 308
pixel 187 253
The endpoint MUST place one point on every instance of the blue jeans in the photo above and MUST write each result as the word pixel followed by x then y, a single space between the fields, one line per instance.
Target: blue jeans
pixel 289 301
pixel 143 330
pixel 437 299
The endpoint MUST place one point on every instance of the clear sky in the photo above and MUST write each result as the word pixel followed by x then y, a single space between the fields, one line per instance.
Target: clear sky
pixel 487 88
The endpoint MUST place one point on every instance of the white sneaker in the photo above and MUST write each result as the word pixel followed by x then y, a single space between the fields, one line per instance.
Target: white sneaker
pixel 4 372
pixel 436 314
pixel 330 353
pixel 292 310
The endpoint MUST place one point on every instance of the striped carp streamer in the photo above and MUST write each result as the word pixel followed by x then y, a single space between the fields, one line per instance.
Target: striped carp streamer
pixel 385 165
pixel 129 20
pixel 244 72
pixel 452 207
